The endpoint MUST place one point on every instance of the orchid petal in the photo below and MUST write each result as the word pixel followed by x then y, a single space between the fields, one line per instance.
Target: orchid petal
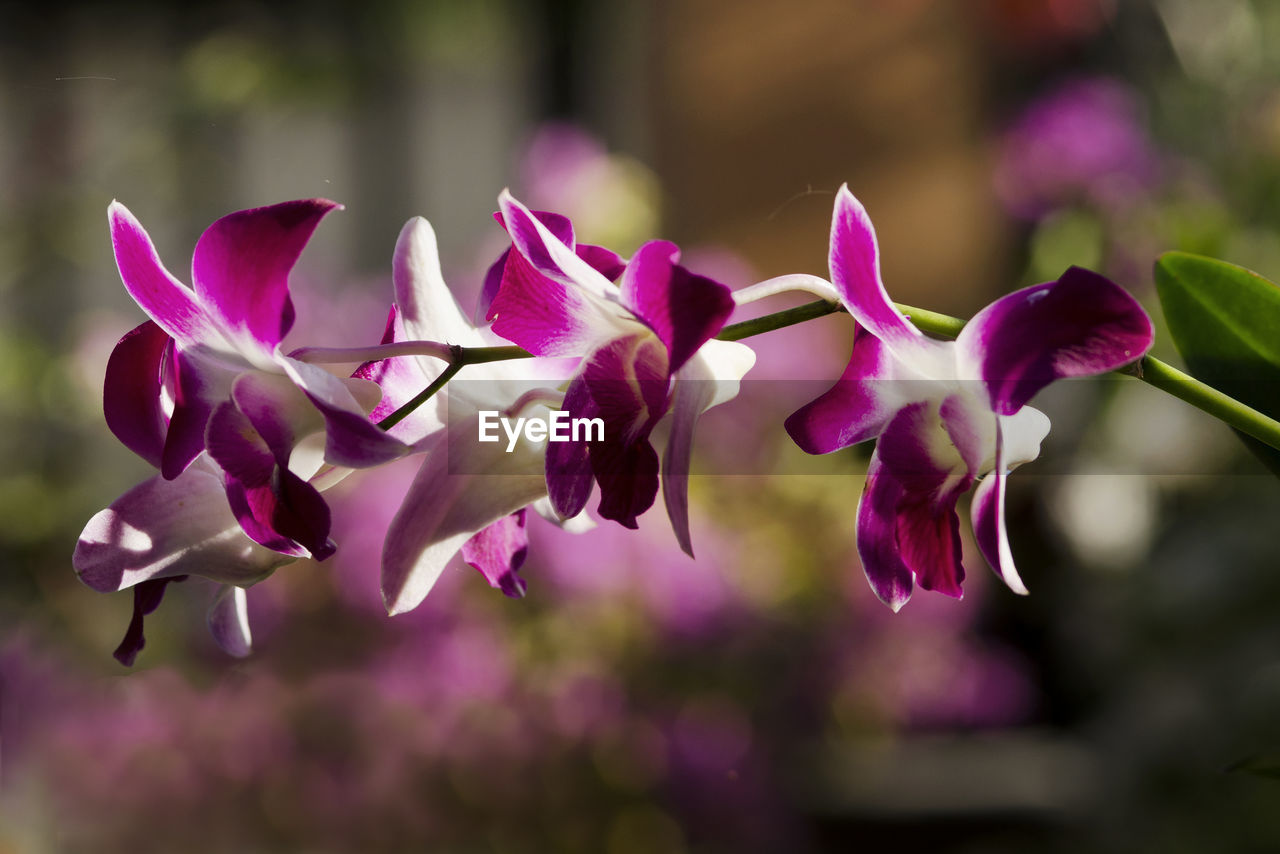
pixel 629 384
pixel 579 524
pixel 165 528
pixel 929 542
pixel 241 267
pixel 551 302
pixel 131 398
pixel 568 464
pixel 683 309
pixel 689 399
pixel 498 551
pixel 198 385
pixel 274 506
pixel 428 311
pixel 877 537
pixel 166 300
pixel 855 272
pixel 1080 325
pixel 147 596
pixel 228 619
pixel 351 439
pixel 557 224
pixel 604 261
pixel 917 449
pixel 856 408
pixel 987 513
pixel 710 377
pixel 462 487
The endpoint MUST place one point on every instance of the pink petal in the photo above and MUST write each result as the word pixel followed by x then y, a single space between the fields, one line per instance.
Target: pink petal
pixel 568 464
pixel 351 439
pixel 499 551
pixel 167 301
pixel 241 268
pixel 856 408
pixel 551 302
pixel 1080 325
pixel 855 272
pixel 877 539
pixel 683 309
pixel 131 397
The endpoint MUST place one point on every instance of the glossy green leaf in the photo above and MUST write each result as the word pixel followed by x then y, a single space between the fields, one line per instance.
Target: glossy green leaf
pixel 1225 321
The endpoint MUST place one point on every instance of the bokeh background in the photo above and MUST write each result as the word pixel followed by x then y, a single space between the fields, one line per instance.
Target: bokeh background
pixel 760 698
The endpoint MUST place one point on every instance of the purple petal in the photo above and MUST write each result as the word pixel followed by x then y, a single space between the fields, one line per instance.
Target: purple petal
pixel 630 385
pixel 568 464
pixel 462 487
pixel 856 408
pixel 877 539
pixel 628 478
pixel 241 268
pixel 561 228
pixel 683 309
pixel 499 551
pixel 228 619
pixel 917 451
pixel 131 391
pixel 929 541
pixel 146 598
pixel 1080 325
pixel 167 301
pixel 551 302
pixel 351 439
pixel 690 398
pixel 274 506
pixel 604 261
pixel 855 272
pixel 916 448
pixel 198 384
pixel 987 512
pixel 164 528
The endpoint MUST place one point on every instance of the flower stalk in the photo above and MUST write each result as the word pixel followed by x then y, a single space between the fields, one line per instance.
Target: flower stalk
pixel 1149 369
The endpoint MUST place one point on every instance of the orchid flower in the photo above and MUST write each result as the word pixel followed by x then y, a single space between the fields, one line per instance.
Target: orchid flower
pixel 165 530
pixel 646 350
pixel 206 372
pixel 469 497
pixel 949 414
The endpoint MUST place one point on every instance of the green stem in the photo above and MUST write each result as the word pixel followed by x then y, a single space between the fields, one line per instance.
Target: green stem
pixel 1208 399
pixel 1149 369
pixel 423 396
pixel 779 320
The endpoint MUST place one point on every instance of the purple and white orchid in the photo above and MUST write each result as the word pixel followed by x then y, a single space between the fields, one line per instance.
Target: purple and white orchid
pixel 468 498
pixel 203 392
pixel 949 414
pixel 647 348
pixel 206 372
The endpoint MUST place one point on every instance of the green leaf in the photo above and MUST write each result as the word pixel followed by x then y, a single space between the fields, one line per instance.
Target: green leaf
pixel 1225 321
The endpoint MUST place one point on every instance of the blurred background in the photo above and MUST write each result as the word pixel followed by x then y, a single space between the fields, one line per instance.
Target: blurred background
pixel 760 698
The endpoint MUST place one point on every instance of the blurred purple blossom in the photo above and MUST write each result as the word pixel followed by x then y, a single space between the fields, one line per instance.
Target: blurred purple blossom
pixel 1084 141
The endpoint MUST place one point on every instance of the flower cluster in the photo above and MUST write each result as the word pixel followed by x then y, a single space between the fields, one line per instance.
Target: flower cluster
pixel 245 436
